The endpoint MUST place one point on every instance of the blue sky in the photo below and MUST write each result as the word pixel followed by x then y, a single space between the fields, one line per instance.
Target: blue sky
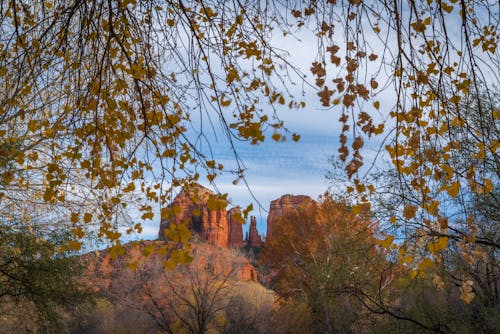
pixel 275 169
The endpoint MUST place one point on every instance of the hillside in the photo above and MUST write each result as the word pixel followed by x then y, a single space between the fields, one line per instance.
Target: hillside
pixel 217 291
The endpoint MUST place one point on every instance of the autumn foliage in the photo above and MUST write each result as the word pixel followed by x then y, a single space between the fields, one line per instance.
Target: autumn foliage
pixel 107 108
pixel 320 242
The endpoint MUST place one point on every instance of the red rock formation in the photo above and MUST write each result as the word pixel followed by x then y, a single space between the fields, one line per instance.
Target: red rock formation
pixel 234 222
pixel 281 206
pixel 254 239
pixel 192 207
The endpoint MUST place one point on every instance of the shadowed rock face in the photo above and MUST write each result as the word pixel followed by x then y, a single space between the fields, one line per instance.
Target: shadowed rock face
pixel 279 207
pixel 254 239
pixel 235 237
pixel 192 206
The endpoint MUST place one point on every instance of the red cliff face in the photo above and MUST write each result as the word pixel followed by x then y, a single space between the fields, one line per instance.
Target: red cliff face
pixel 281 206
pixel 192 206
pixel 234 222
pixel 254 239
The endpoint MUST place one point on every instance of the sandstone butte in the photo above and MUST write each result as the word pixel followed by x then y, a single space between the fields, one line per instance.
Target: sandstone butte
pixel 279 207
pixel 192 206
pixel 254 239
pixel 220 227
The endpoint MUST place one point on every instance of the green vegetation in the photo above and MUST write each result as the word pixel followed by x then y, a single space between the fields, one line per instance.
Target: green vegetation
pixel 39 284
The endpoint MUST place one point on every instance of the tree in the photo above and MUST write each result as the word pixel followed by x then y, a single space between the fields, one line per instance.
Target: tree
pixel 324 254
pixel 468 227
pixel 36 279
pixel 212 294
pixel 409 49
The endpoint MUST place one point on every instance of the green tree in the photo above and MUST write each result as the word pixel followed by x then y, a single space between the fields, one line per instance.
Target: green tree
pixel 39 284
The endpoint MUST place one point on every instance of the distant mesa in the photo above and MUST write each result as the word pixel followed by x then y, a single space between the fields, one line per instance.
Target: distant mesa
pixel 221 227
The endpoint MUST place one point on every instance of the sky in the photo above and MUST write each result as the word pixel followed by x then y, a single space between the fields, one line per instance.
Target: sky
pixel 278 168
pixel 275 169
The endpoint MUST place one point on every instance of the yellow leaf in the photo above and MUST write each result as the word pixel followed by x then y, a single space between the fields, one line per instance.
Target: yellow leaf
pixel 447 8
pixel 133 265
pixel 87 217
pixel 409 211
pixel 215 203
pixel 74 245
pixel 442 243
pixel 387 242
pixel 169 264
pixel 78 232
pixel 439 245
pixel 433 207
pixel 495 145
pixel 426 263
pixel 74 217
pixel 225 103
pixel 147 215
pixel 407 259
pixel 453 189
pixel 116 250
pixel 455 99
pixel 130 187
pixel 147 250
pixel 7 177
pixel 418 26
